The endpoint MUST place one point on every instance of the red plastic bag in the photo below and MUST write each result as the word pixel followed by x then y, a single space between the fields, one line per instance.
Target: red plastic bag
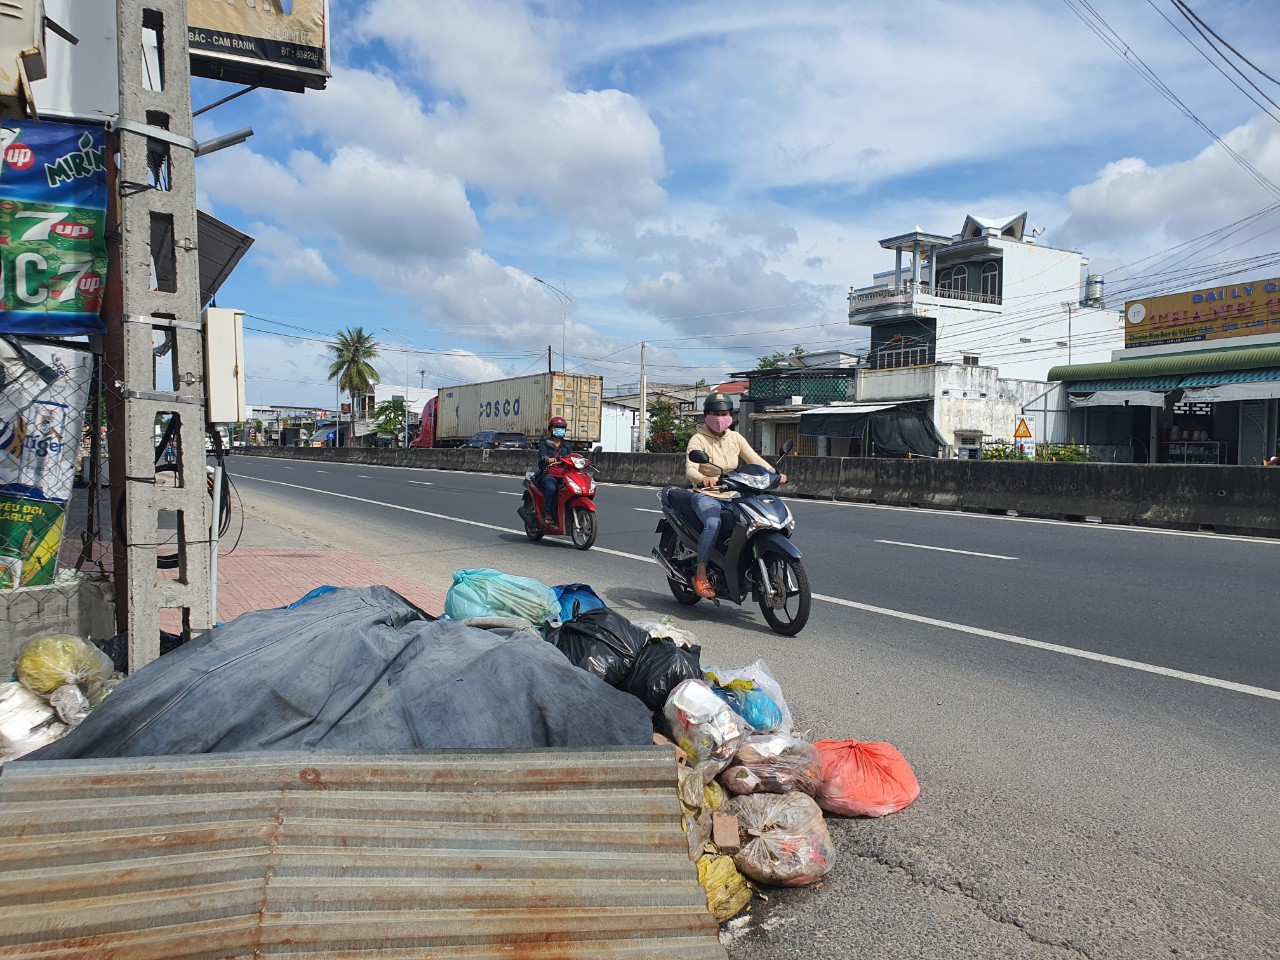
pixel 864 779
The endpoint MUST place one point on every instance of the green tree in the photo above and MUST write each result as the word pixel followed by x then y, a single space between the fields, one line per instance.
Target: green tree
pixel 353 352
pixel 776 359
pixel 669 432
pixel 389 416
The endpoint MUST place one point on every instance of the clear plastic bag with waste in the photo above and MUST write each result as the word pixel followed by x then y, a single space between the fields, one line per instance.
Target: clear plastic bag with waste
pixel 48 662
pixel 774 763
pixel 703 725
pixel 758 713
pixel 785 842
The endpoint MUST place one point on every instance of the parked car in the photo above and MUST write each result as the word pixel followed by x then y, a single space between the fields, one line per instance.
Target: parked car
pixel 497 440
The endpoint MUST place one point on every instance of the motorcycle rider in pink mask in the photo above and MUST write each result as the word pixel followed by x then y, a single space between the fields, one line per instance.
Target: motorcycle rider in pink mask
pixel 726 449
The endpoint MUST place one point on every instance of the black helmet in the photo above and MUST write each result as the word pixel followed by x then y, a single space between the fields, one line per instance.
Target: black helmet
pixel 717 403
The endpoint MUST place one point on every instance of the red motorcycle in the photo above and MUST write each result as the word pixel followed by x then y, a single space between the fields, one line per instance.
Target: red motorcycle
pixel 575 506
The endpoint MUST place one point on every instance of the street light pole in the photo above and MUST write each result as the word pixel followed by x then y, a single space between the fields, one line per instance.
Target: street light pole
pixel 565 300
pixel 409 346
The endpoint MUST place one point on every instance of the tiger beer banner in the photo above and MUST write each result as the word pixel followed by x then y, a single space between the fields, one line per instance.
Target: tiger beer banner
pixel 53 213
pixel 42 404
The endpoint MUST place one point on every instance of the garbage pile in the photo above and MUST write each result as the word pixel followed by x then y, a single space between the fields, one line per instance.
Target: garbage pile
pixel 512 664
pixel 59 679
pixel 752 789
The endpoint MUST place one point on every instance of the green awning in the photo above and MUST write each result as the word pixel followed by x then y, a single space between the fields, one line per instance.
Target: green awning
pixel 1231 376
pixel 1171 364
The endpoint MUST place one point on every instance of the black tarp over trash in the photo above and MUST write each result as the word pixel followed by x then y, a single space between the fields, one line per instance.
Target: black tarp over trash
pixel 894 431
pixel 356 670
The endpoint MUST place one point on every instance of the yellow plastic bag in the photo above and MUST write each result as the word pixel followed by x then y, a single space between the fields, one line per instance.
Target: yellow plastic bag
pixel 49 662
pixel 728 891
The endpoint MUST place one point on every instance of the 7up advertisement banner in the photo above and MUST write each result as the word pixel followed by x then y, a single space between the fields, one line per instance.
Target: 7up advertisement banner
pixel 53 213
pixel 42 401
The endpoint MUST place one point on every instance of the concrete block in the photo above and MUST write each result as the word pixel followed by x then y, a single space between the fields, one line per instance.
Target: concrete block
pixel 1236 500
pixel 857 480
pixel 811 476
pixel 84 607
pixel 920 483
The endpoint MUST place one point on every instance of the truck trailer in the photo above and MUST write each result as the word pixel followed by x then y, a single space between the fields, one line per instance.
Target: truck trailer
pixel 518 405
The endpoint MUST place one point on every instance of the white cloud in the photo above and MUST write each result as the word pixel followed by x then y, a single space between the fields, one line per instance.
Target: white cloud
pixel 1132 208
pixel 287 261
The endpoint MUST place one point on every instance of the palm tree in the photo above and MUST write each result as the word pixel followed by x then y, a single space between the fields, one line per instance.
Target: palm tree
pixel 352 353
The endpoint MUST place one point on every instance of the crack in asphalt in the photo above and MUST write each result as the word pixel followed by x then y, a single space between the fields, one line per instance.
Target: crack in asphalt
pixel 960 888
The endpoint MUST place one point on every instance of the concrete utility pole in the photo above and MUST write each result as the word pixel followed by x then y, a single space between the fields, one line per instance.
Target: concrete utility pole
pixel 156 147
pixel 644 402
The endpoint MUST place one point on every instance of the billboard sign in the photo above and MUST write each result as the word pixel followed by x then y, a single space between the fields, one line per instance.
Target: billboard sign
pixel 274 43
pixel 1215 313
pixel 53 224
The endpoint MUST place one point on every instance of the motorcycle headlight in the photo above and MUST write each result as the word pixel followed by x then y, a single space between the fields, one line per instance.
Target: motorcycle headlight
pixel 573 484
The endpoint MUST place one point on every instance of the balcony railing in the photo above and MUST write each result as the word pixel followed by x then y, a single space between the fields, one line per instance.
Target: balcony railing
pixel 906 293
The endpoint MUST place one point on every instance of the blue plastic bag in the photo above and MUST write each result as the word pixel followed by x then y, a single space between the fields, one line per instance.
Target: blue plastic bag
pixel 491 593
pixel 580 593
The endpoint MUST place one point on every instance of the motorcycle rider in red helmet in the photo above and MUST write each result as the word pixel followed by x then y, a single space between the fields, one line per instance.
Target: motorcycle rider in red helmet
pixel 551 448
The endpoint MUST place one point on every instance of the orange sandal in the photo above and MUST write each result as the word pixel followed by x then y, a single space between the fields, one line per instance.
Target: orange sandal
pixel 702 587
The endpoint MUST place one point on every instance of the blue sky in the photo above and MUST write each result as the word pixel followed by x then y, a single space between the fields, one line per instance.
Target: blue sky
pixel 710 177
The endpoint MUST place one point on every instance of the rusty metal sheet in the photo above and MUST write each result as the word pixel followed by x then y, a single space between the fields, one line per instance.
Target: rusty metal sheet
pixel 513 854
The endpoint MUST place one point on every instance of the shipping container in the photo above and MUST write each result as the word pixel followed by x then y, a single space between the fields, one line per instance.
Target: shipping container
pixel 521 405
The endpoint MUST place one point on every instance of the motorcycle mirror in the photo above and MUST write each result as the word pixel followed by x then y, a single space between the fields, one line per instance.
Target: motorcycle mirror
pixel 788 447
pixel 700 456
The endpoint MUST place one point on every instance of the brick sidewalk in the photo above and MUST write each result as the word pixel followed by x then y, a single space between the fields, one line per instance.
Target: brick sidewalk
pixel 260 578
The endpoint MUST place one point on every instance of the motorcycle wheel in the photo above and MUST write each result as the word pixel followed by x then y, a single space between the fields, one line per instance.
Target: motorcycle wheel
pixel 531 528
pixel 583 527
pixel 683 592
pixel 792 612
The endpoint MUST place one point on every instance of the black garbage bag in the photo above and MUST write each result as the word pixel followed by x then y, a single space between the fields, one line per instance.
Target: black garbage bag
pixel 660 667
pixel 356 670
pixel 601 642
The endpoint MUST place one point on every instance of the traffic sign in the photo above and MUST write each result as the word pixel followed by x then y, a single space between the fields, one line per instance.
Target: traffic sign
pixel 1022 431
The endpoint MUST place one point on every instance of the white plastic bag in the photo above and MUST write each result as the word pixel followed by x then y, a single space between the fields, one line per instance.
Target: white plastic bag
pixel 667 628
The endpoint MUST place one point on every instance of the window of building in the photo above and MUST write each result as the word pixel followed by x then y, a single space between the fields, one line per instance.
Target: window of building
pixel 904 352
pixel 969 359
pixel 991 280
pixel 944 280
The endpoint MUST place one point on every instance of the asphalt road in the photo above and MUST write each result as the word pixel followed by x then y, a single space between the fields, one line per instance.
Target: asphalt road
pixel 1092 711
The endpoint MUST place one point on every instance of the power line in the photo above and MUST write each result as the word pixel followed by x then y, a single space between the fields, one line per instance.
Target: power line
pixel 1186 10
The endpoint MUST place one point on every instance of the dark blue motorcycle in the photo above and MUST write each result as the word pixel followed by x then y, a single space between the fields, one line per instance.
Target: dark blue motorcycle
pixel 754 557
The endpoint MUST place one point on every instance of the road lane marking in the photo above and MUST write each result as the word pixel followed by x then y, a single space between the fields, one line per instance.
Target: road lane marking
pixel 422 483
pixel 967 553
pixel 645 510
pixel 363 476
pixel 1057 648
pixel 445 516
pixel 509 493
pixel 855 605
pixel 322 471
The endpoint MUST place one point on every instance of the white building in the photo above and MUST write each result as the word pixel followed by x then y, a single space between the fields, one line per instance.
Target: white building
pixel 988 296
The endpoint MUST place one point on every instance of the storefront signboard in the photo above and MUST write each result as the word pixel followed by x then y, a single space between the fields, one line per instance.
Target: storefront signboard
pixel 1214 313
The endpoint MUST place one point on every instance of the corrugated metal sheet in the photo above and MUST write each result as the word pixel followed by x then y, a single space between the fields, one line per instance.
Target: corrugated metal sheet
pixel 1231 376
pixel 512 854
pixel 1128 383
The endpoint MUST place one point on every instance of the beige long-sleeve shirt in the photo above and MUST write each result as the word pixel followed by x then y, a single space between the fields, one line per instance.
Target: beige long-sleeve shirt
pixel 726 451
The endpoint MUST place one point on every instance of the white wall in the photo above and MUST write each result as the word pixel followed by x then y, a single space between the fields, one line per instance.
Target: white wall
pixel 616 427
pixel 1038 283
pixel 977 400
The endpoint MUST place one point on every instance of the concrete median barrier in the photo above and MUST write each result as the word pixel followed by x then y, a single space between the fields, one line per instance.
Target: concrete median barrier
pixel 1233 500
pixel 1240 500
